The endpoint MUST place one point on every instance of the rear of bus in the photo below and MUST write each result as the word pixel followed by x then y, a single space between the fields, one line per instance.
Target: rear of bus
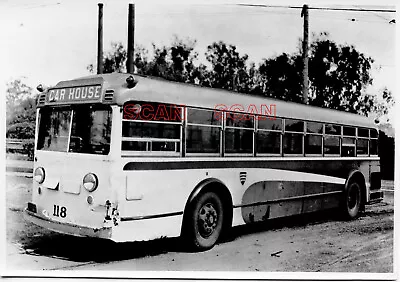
pixel 72 191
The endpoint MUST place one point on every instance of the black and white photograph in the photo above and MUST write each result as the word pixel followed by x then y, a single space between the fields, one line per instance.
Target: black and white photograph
pixel 238 139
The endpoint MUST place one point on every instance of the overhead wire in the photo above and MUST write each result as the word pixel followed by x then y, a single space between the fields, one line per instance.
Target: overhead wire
pixel 359 9
pixel 320 8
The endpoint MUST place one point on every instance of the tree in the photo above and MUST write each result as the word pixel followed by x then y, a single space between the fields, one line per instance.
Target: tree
pixel 229 70
pixel 21 110
pixel 378 106
pixel 16 91
pixel 175 62
pixel 114 60
pixel 280 77
pixel 339 76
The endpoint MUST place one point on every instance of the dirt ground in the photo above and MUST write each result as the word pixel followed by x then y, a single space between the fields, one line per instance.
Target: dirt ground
pixel 313 243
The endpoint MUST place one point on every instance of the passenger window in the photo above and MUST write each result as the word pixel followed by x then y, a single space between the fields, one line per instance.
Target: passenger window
pixel 362 147
pixel 151 127
pixel 239 120
pixel 238 141
pixel 268 142
pixel 292 143
pixel 333 129
pixel 202 139
pixel 206 117
pixel 373 147
pixel 348 147
pixel 150 111
pixel 270 124
pixel 313 145
pixel 315 127
pixel 150 130
pixel 349 131
pixel 332 145
pixel 363 132
pixel 374 133
pixel 292 125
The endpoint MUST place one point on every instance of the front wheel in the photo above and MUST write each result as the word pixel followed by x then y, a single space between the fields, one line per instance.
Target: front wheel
pixel 204 221
pixel 352 201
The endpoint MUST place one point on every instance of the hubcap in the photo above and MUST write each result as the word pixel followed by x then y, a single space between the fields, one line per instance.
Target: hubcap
pixel 207 220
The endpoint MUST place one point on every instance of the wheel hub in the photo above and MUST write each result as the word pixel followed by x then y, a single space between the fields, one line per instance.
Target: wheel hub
pixel 208 219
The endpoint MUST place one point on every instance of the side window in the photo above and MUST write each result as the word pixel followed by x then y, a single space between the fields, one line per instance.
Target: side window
pixel 313 141
pixel 151 128
pixel 348 142
pixel 333 129
pixel 332 140
pixel 373 142
pixel 362 141
pixel 203 131
pixel 268 136
pixel 293 137
pixel 331 145
pixel 348 147
pixel 239 132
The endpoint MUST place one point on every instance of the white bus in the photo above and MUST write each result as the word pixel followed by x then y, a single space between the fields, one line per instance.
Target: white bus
pixel 129 158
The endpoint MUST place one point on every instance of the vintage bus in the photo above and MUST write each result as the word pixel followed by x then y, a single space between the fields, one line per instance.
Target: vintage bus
pixel 130 158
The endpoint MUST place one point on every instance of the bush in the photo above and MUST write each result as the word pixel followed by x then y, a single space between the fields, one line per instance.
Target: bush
pixel 29 148
pixel 21 130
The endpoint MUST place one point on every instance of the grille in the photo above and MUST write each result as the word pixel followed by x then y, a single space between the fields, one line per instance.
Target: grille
pixel 109 95
pixel 42 99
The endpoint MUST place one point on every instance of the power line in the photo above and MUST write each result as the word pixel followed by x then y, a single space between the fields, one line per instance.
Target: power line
pixel 33 6
pixel 321 8
pixel 377 15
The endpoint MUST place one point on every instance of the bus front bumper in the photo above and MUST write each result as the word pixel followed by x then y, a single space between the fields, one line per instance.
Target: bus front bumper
pixel 67 228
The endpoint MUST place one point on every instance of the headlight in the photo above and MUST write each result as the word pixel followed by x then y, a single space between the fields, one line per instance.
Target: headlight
pixel 39 175
pixel 90 182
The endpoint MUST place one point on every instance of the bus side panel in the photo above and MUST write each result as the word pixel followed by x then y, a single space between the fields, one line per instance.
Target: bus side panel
pixel 157 199
pixel 271 199
pixel 314 203
pixel 332 200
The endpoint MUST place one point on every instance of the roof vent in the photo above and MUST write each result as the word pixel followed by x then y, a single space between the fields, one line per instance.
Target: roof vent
pixel 109 95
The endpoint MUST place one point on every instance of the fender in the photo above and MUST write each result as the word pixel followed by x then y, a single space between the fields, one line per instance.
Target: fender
pixel 196 191
pixel 200 187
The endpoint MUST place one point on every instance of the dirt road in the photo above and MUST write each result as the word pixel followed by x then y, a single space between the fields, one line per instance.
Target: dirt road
pixel 320 243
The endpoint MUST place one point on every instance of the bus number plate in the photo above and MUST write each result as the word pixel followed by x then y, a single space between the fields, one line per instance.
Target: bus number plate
pixel 59 211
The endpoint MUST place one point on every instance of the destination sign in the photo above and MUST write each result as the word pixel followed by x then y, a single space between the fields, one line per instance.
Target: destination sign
pixel 91 93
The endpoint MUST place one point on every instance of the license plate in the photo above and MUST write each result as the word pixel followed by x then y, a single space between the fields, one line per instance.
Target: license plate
pixel 59 211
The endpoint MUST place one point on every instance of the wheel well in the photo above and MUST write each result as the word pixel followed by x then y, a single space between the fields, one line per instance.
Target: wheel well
pixel 212 185
pixel 358 177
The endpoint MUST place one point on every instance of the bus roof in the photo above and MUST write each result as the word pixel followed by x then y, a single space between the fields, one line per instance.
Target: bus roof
pixel 151 89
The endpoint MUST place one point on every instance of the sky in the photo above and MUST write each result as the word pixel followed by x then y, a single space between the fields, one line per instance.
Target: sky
pixel 51 40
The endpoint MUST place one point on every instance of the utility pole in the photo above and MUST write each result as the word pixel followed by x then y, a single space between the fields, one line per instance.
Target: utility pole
pixel 100 40
pixel 304 14
pixel 131 38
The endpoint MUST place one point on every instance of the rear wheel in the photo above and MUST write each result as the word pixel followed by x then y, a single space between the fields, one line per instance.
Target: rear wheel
pixel 204 221
pixel 352 201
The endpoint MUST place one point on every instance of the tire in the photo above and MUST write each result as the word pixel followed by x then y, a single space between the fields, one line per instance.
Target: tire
pixel 352 201
pixel 204 223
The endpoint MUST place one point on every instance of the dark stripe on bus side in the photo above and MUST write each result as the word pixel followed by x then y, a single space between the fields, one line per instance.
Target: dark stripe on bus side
pixel 335 168
pixel 150 216
pixel 287 199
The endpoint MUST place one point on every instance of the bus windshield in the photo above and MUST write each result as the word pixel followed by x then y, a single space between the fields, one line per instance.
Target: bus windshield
pixel 78 129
